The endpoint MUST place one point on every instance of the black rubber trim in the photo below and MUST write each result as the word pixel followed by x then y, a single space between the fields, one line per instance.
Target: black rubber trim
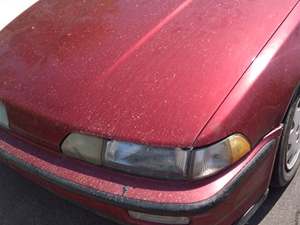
pixel 141 205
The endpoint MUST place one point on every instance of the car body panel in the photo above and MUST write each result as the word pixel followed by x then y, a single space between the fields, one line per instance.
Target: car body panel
pixel 167 73
pixel 260 100
pixel 147 72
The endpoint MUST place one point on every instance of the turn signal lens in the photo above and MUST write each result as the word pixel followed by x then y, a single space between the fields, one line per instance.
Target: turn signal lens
pixel 239 147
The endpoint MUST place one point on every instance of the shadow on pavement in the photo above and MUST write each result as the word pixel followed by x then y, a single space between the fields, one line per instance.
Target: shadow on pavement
pixel 274 196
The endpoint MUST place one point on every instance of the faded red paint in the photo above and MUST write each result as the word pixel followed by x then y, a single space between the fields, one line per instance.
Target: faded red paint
pixel 166 73
pixel 260 100
pixel 142 71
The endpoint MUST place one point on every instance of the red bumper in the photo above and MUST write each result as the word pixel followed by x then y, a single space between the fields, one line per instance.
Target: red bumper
pixel 221 199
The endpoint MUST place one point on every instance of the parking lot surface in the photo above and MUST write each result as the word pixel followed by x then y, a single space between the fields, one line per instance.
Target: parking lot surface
pixel 22 202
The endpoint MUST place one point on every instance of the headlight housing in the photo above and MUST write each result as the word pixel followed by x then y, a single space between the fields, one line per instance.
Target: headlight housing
pixel 210 160
pixel 144 160
pixel 83 147
pixel 158 162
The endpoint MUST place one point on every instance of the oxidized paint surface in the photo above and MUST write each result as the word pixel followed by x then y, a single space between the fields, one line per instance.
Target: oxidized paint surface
pixel 261 99
pixel 153 72
pixel 143 71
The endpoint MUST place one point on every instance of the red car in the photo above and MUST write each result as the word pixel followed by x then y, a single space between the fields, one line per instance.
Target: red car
pixel 154 112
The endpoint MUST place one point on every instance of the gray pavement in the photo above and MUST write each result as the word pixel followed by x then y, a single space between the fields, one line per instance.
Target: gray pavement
pixel 282 206
pixel 24 203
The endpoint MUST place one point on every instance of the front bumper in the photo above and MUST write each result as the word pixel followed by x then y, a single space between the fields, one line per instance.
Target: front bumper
pixel 221 199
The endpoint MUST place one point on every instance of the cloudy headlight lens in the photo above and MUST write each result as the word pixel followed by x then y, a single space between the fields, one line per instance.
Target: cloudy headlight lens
pixel 157 162
pixel 212 159
pixel 84 147
pixel 144 160
pixel 3 116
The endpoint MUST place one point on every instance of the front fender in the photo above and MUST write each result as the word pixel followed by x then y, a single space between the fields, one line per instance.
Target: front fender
pixel 258 102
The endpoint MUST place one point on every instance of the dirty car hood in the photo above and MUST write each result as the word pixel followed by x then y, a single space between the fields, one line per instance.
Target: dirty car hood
pixel 144 71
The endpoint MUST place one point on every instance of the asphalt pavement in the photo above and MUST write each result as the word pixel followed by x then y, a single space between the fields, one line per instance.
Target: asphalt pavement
pixel 24 203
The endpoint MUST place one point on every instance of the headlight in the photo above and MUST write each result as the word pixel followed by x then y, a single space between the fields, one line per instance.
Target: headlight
pixel 144 160
pixel 212 159
pixel 158 162
pixel 84 147
pixel 3 116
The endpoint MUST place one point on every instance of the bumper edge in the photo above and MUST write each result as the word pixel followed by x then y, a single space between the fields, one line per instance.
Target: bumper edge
pixel 141 205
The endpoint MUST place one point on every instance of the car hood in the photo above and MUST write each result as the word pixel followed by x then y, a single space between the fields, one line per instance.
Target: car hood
pixel 144 71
